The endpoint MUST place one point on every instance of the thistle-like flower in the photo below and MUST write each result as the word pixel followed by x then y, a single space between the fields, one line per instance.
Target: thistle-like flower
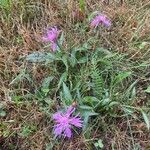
pixel 100 19
pixel 65 122
pixel 51 36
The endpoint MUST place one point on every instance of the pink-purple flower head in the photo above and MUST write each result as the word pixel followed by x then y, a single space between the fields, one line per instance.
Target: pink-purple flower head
pixel 52 36
pixel 65 122
pixel 100 19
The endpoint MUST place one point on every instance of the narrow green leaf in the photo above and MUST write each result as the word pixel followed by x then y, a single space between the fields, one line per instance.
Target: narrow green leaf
pixel 148 89
pixel 64 59
pixel 131 91
pixel 61 39
pixel 62 79
pixel 72 58
pixel 66 92
pixel 146 119
pixel 46 82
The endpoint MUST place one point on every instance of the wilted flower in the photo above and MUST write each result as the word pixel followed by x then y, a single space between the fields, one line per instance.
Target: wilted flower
pixel 53 46
pixel 65 122
pixel 100 19
pixel 51 36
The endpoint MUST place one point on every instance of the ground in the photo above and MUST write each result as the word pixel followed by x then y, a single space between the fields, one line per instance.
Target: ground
pixel 109 65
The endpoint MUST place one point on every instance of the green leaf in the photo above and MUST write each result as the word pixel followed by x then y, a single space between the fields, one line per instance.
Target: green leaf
pixel 106 101
pixel 46 82
pixel 82 60
pixel 61 39
pixel 62 79
pixel 45 91
pixel 128 110
pixel 142 45
pixel 64 59
pixel 2 113
pixel 100 144
pixel 86 112
pixel 1 106
pixel 27 130
pixel 148 89
pixel 131 91
pixel 133 94
pixel 66 93
pixel 51 57
pixel 146 119
pixel 120 77
pixel 17 98
pixel 113 103
pixel 72 58
pixel 36 57
pixel 39 57
pixel 105 51
pixel 90 100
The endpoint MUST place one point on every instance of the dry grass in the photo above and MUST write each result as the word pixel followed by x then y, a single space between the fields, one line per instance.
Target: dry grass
pixel 20 30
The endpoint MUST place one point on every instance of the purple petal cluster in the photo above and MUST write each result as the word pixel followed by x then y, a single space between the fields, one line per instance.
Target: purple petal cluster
pixel 65 122
pixel 52 36
pixel 100 19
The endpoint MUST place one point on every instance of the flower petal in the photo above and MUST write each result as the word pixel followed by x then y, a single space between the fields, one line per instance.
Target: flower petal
pixel 57 116
pixel 77 122
pixel 58 129
pixel 94 23
pixel 107 23
pixel 67 132
pixel 70 110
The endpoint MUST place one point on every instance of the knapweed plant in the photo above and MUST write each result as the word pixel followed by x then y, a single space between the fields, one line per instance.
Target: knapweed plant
pixel 92 78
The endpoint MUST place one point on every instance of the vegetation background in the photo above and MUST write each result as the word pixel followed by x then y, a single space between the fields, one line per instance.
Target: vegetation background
pixel 104 73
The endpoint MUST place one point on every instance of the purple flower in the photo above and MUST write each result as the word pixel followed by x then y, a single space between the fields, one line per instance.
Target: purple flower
pixel 51 36
pixel 65 122
pixel 100 19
